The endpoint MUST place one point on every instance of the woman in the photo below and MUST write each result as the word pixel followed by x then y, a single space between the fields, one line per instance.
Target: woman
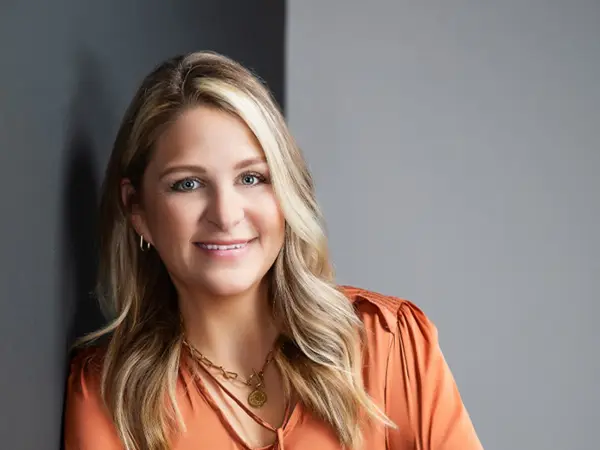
pixel 227 329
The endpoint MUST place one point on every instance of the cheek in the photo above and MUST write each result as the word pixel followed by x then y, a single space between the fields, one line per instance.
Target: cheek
pixel 174 217
pixel 271 217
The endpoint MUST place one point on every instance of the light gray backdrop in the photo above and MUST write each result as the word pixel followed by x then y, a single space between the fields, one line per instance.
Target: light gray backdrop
pixel 67 71
pixel 455 146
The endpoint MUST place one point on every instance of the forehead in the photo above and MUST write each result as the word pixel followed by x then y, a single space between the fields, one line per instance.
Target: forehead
pixel 208 136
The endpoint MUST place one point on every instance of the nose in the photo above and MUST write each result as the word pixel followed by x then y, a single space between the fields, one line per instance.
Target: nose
pixel 226 209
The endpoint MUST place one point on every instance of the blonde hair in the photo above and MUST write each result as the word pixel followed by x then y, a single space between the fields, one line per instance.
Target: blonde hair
pixel 321 361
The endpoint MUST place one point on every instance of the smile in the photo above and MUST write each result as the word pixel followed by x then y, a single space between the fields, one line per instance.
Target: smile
pixel 225 249
pixel 222 247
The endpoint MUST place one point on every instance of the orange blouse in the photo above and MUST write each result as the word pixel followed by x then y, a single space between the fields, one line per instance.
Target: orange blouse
pixel 404 371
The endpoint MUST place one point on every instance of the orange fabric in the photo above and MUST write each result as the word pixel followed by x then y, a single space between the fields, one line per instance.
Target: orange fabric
pixel 404 372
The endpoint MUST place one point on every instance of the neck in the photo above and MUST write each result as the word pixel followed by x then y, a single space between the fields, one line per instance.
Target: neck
pixel 235 332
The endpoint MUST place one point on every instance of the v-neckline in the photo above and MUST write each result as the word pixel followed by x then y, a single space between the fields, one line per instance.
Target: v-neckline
pixel 289 421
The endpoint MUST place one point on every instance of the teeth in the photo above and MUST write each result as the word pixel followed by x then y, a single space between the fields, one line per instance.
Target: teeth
pixel 222 247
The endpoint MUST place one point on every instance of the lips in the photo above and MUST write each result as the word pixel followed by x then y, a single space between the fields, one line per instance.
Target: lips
pixel 223 245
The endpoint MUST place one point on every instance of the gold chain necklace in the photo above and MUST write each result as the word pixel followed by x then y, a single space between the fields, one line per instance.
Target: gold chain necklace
pixel 257 397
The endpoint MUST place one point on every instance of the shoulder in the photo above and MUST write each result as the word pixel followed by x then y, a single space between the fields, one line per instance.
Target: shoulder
pixel 87 422
pixel 394 314
pixel 406 371
pixel 85 375
pixel 87 363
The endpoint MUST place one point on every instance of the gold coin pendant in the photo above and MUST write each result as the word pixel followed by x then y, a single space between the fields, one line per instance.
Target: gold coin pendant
pixel 257 398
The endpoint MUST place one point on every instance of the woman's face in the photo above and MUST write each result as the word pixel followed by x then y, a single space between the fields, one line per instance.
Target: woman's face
pixel 208 206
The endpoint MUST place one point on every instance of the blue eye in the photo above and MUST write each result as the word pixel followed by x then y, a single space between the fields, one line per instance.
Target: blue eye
pixel 185 185
pixel 252 179
pixel 249 180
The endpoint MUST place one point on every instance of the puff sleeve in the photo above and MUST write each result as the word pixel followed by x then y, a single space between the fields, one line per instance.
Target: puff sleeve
pixel 87 425
pixel 436 414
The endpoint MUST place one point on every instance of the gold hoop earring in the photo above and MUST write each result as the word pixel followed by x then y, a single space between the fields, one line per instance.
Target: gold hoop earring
pixel 144 245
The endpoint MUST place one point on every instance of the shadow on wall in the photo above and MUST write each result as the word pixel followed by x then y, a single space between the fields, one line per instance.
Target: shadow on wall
pixel 88 116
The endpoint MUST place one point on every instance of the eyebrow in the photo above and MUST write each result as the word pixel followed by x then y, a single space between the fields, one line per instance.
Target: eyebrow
pixel 195 168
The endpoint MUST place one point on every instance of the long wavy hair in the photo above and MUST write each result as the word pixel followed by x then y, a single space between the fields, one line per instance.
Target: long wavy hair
pixel 321 359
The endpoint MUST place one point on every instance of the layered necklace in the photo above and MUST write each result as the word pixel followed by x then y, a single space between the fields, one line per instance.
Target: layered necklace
pixel 256 382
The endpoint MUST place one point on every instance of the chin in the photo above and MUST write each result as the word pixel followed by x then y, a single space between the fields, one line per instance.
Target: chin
pixel 229 287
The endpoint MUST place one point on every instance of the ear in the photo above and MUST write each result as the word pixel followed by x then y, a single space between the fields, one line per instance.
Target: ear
pixel 132 201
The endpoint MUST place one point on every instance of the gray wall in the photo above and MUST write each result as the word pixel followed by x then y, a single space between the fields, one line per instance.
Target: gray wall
pixel 68 70
pixel 455 149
